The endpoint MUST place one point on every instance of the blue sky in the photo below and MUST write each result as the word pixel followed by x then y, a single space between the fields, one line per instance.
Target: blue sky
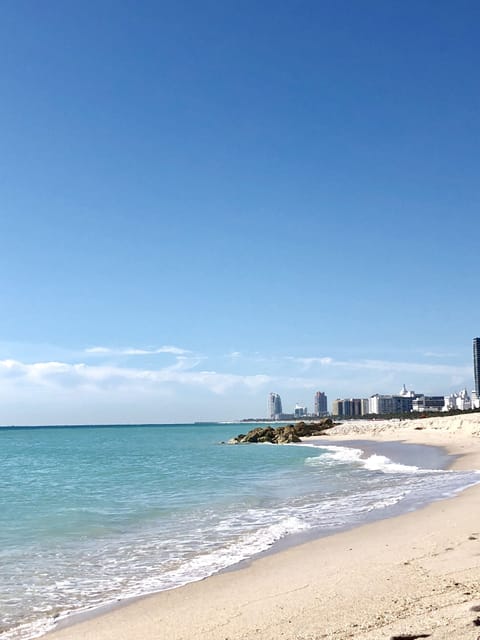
pixel 204 202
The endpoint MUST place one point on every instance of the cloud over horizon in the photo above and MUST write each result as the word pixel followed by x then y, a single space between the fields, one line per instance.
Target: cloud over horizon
pixel 391 366
pixel 96 377
pixel 301 372
pixel 185 389
pixel 132 351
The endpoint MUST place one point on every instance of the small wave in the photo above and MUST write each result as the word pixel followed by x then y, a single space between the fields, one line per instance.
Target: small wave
pixel 202 566
pixel 375 462
pixel 335 454
pixel 29 630
pixel 387 502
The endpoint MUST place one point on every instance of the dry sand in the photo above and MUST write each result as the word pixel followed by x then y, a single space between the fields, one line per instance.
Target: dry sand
pixel 413 576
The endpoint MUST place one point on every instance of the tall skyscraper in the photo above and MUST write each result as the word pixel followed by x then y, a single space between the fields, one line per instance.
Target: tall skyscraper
pixel 274 406
pixel 476 365
pixel 320 404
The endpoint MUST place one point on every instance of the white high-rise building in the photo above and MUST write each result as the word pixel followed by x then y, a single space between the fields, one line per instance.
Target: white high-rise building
pixel 460 401
pixel 274 406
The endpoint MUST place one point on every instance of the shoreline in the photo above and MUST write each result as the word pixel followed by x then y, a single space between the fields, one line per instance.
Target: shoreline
pixel 417 572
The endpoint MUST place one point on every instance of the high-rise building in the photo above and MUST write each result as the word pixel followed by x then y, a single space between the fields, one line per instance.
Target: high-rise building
pixel 460 401
pixel 274 406
pixel 300 411
pixel 422 402
pixel 389 404
pixel 347 407
pixel 337 407
pixel 320 404
pixel 476 365
pixel 356 406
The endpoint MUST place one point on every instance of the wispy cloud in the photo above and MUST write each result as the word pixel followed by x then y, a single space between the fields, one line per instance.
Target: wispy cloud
pixel 308 363
pixel 233 355
pixel 81 375
pixel 406 367
pixel 133 351
pixel 390 366
pixel 438 354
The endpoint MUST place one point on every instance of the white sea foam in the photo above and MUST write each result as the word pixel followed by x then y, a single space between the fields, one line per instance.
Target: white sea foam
pixel 29 630
pixel 195 569
pixel 335 454
pixel 387 502
pixel 375 462
pixel 204 565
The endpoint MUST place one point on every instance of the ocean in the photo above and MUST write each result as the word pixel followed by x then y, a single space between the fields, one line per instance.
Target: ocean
pixel 92 515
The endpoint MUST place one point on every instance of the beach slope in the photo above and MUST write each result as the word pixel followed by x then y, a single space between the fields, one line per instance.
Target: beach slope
pixel 412 576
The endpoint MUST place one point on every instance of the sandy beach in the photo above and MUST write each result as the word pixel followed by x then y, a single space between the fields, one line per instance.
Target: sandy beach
pixel 412 576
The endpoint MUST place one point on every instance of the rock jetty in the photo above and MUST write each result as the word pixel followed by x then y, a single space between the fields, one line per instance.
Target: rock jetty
pixel 285 434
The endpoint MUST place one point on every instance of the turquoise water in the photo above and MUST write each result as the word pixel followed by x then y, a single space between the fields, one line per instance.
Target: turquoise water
pixel 94 514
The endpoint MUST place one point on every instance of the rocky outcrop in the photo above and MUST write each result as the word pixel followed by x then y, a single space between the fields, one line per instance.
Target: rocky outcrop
pixel 285 434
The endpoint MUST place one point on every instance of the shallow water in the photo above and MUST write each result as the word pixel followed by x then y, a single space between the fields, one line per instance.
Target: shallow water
pixel 94 514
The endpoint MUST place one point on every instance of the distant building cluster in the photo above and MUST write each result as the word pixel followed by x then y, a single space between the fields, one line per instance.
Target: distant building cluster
pixel 404 402
pixel 275 408
pixel 407 401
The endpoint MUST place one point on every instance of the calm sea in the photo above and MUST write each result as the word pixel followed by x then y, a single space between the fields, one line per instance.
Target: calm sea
pixel 90 515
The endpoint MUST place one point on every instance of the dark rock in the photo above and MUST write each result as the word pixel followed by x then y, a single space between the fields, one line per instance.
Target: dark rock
pixel 284 434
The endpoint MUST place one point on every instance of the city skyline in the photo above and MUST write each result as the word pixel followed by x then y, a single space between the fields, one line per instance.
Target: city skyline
pixel 405 401
pixel 214 200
